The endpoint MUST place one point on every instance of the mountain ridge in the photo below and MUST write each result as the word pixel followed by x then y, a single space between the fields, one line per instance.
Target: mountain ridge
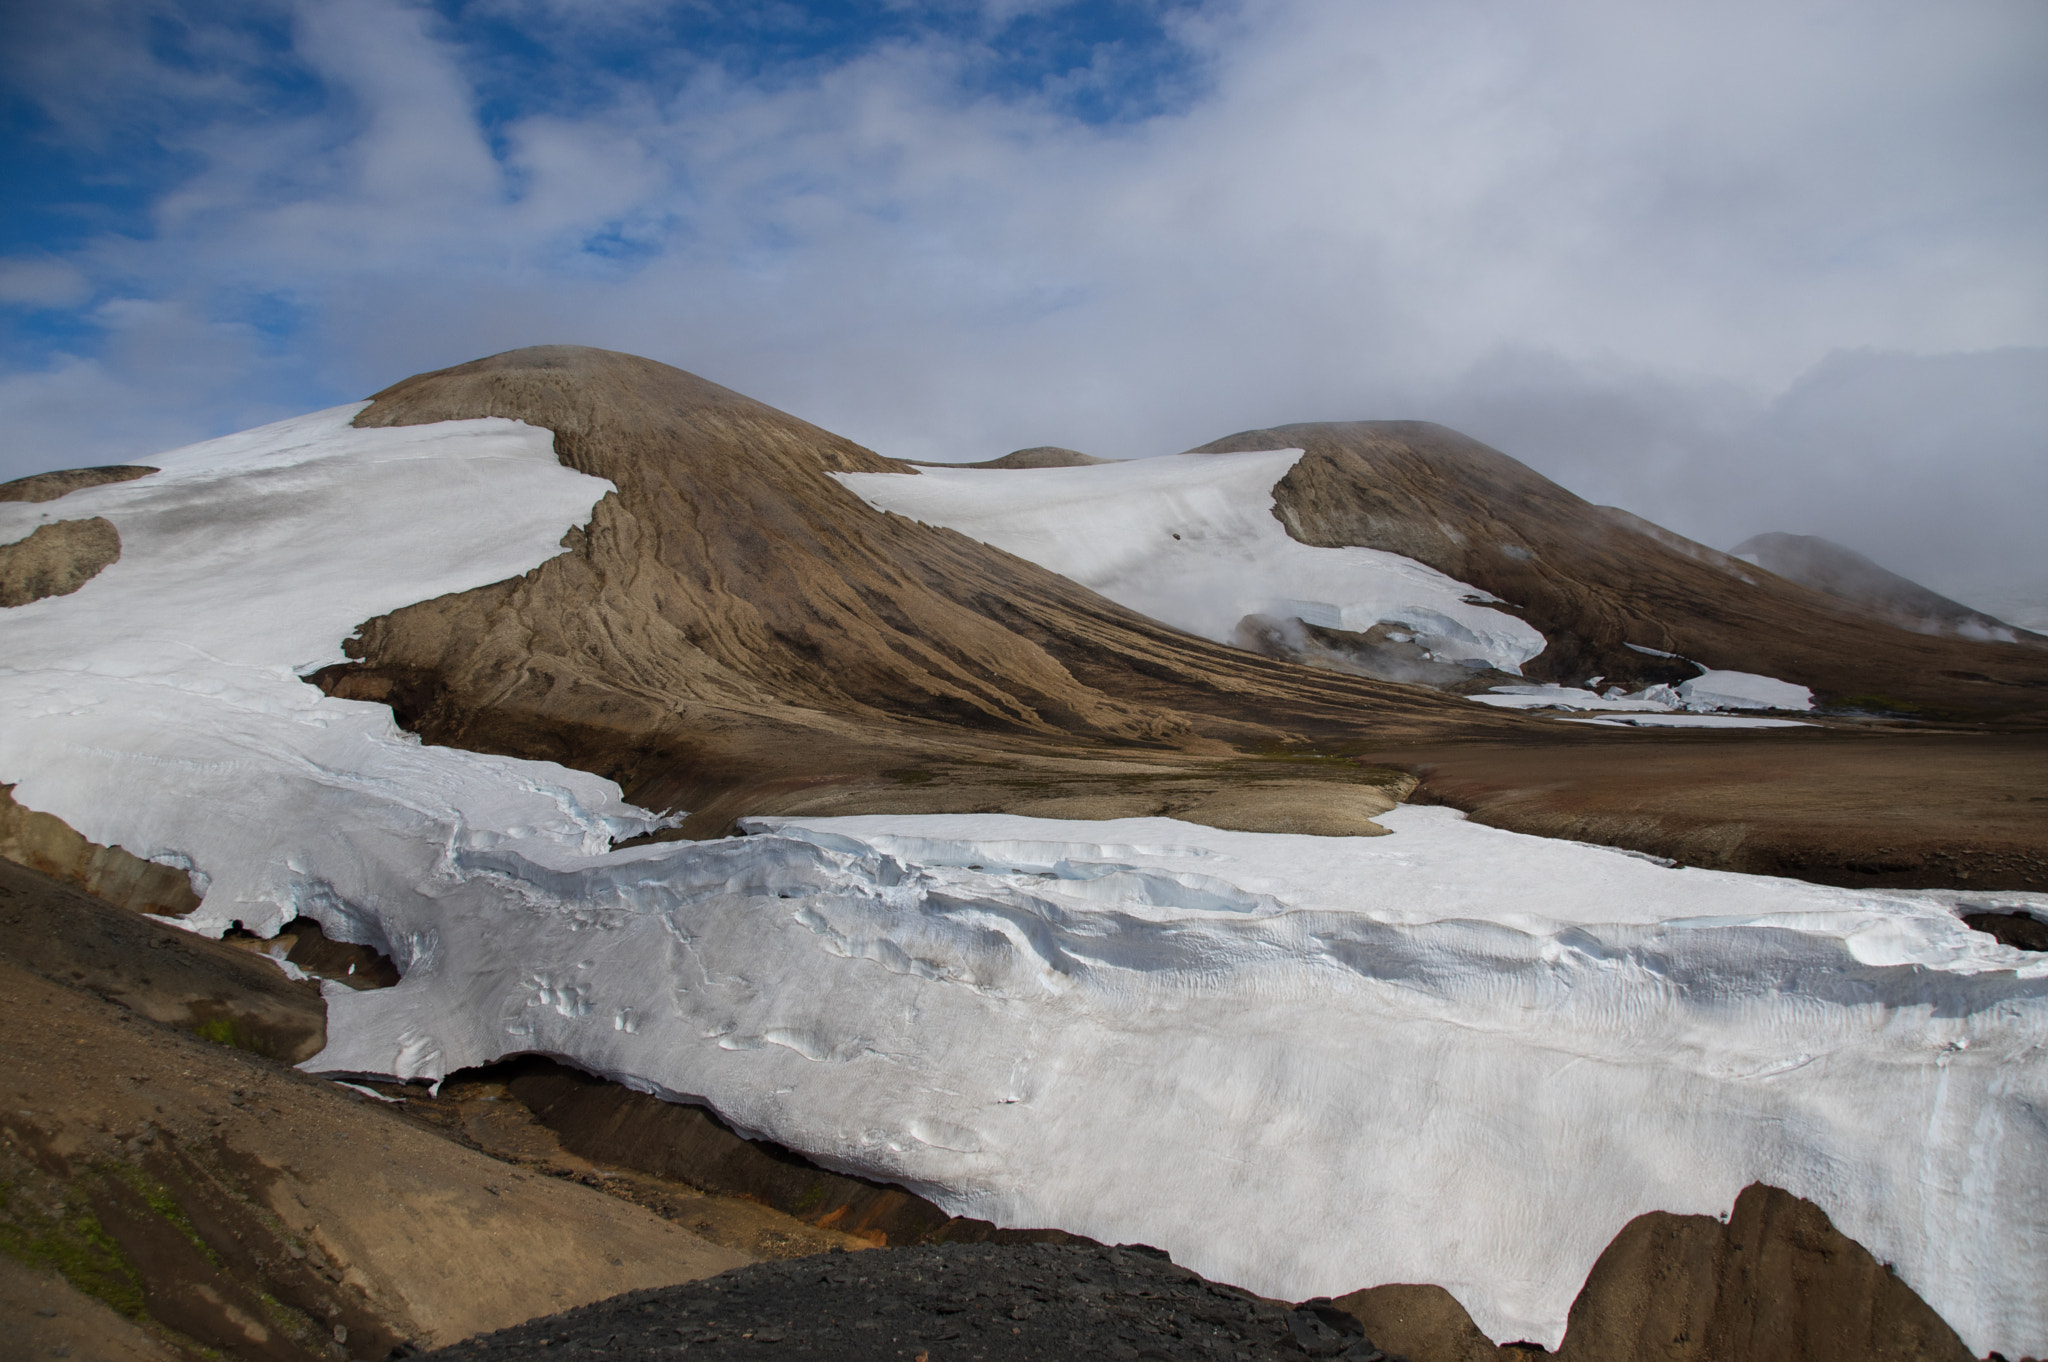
pixel 1594 584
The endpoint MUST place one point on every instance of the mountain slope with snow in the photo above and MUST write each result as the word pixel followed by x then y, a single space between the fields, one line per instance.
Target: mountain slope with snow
pixel 1194 544
pixel 1447 1054
pixel 733 614
pixel 1593 583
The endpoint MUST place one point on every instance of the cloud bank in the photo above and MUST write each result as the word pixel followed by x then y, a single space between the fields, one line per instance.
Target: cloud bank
pixel 1741 267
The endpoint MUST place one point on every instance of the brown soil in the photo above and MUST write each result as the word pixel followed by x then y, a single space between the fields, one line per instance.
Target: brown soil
pixel 1896 808
pixel 1593 582
pixel 204 987
pixel 48 1317
pixel 50 486
pixel 56 559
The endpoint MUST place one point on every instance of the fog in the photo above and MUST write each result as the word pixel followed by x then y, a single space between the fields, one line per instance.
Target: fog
pixel 1735 268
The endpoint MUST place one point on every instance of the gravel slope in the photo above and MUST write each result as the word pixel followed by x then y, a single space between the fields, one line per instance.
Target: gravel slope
pixel 989 1303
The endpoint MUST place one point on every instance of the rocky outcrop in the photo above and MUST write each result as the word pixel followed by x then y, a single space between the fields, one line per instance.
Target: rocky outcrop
pixel 1775 1279
pixel 1594 584
pixel 50 486
pixel 56 559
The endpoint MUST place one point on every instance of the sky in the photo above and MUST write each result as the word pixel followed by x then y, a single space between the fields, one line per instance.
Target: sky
pixel 1735 267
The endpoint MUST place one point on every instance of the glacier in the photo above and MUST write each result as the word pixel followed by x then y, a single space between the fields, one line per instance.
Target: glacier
pixel 1305 1065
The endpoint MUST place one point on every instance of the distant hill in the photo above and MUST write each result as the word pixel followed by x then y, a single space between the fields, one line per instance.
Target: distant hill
pixel 1847 575
pixel 1038 456
pixel 1603 585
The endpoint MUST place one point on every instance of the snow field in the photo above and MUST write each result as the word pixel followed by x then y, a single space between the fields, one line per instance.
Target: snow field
pixel 159 708
pixel 1192 541
pixel 1304 1065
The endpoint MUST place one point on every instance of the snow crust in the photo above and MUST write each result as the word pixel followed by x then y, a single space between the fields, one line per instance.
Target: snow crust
pixel 1742 690
pixel 1192 541
pixel 1305 1065
pixel 1704 695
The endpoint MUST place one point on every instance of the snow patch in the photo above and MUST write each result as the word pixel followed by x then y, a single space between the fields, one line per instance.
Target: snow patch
pixel 1192 541
pixel 1742 690
pixel 1703 696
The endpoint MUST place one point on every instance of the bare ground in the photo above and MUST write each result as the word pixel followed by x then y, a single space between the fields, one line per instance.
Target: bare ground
pixel 1901 807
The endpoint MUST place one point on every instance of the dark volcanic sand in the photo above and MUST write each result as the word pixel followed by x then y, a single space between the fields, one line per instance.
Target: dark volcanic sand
pixel 942 1303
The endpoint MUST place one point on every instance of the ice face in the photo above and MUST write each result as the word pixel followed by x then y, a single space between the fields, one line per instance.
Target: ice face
pixel 1452 1054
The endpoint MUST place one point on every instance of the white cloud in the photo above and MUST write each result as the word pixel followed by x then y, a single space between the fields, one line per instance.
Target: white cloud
pixel 41 282
pixel 1610 236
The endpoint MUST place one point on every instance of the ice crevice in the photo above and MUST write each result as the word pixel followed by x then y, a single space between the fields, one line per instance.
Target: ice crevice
pixel 1452 1054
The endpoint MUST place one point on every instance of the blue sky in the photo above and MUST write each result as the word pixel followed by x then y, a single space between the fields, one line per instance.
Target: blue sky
pixel 1737 267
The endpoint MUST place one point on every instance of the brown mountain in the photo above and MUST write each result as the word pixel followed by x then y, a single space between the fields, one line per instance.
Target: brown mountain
pixel 1848 576
pixel 733 617
pixel 1594 581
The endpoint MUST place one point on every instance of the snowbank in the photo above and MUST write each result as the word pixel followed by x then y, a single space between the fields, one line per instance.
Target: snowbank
pixel 1689 721
pixel 1452 1054
pixel 1306 1065
pixel 1703 695
pixel 1193 542
pixel 1742 690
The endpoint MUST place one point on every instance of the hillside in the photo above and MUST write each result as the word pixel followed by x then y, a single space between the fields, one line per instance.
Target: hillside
pixel 1594 583
pixel 1848 576
pixel 732 614
pixel 1043 909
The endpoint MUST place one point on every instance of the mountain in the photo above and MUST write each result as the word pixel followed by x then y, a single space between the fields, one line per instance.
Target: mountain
pixel 1040 456
pixel 1847 575
pixel 1004 981
pixel 1595 582
pixel 733 617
